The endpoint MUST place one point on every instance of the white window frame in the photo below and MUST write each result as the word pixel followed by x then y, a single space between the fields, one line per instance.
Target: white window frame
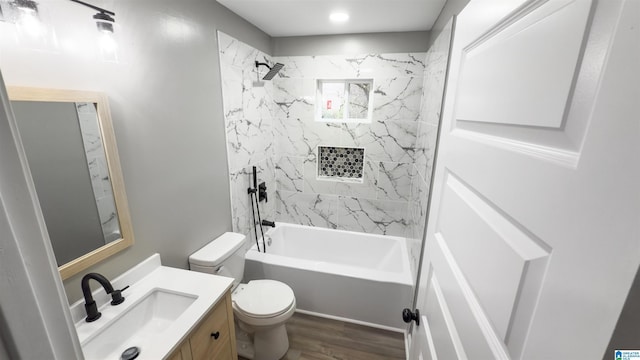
pixel 346 118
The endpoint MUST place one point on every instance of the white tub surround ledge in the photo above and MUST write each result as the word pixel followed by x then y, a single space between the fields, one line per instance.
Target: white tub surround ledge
pixel 202 292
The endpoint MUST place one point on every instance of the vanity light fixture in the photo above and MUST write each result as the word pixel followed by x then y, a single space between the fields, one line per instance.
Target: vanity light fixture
pixel 104 18
pixel 338 17
pixel 26 5
pixel 104 22
pixel 24 13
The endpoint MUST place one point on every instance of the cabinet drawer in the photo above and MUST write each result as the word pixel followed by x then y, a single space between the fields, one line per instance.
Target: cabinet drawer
pixel 211 340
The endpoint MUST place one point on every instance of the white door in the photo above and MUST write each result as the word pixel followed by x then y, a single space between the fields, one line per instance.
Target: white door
pixel 534 229
pixel 35 321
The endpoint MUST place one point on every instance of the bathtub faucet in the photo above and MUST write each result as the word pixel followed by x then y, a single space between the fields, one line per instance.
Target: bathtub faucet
pixel 268 223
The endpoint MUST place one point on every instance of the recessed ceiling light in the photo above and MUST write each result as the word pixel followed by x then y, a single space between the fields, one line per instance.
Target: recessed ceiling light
pixel 339 17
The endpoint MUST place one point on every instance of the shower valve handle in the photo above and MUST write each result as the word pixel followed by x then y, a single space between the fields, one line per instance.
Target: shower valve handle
pixel 262 192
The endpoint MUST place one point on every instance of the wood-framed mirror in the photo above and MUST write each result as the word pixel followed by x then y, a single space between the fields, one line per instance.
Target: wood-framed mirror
pixel 71 150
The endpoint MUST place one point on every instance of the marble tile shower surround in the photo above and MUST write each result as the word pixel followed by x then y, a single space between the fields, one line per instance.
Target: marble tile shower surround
pixel 273 127
pixel 432 97
pixel 380 204
pixel 98 170
pixel 249 130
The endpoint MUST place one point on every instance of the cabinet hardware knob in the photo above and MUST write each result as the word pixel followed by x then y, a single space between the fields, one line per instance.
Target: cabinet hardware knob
pixel 215 335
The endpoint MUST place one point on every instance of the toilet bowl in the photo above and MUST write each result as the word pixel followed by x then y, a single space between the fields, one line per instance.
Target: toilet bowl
pixel 261 307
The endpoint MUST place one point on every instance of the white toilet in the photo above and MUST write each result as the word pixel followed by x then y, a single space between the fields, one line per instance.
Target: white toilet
pixel 261 307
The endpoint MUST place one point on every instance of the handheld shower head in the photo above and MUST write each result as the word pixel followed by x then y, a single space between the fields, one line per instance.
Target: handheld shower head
pixel 273 70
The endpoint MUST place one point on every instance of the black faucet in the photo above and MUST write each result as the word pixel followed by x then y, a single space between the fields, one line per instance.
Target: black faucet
pixel 268 223
pixel 89 304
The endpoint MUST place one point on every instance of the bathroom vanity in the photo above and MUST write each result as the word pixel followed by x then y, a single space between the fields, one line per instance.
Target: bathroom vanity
pixel 167 313
pixel 213 338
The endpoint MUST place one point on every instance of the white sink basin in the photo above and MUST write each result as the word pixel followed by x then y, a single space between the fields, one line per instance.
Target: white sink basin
pixel 162 306
pixel 149 317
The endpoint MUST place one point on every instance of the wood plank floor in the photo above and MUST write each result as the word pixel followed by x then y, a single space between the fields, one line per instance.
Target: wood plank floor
pixel 314 338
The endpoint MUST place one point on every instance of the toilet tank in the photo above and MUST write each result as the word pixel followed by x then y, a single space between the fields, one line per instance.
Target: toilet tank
pixel 223 256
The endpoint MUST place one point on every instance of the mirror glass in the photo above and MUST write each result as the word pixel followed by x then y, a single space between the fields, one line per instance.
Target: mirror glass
pixel 68 140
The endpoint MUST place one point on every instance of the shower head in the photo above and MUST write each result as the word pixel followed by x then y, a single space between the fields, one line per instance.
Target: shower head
pixel 273 70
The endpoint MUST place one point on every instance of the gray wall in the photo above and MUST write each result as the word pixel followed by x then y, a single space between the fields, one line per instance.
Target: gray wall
pixel 6 347
pixel 451 8
pixel 52 140
pixel 3 352
pixel 166 104
pixel 351 44
pixel 626 335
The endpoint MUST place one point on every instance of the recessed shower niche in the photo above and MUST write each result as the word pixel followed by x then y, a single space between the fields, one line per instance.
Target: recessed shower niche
pixel 340 163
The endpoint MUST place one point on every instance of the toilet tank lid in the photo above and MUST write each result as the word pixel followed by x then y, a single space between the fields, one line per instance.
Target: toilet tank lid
pixel 218 250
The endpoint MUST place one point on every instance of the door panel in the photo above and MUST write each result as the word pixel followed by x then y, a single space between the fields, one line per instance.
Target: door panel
pixel 514 54
pixel 533 232
pixel 445 339
pixel 472 325
pixel 499 257
pixel 543 127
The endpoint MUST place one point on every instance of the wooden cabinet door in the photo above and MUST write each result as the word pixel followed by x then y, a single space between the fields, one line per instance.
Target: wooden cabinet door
pixel 182 353
pixel 212 339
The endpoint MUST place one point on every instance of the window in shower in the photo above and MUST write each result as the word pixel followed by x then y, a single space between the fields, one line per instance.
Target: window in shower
pixel 344 100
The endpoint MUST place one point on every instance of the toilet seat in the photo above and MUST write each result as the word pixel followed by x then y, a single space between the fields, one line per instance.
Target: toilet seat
pixel 263 298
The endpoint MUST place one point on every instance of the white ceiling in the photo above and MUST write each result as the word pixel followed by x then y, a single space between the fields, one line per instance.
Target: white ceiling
pixel 311 17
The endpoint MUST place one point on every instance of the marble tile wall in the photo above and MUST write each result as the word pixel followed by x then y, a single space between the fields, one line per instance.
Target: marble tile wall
pixel 248 108
pixel 425 145
pixel 273 127
pixel 98 170
pixel 380 204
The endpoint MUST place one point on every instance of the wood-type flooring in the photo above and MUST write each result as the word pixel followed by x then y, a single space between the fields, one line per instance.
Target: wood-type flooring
pixel 315 338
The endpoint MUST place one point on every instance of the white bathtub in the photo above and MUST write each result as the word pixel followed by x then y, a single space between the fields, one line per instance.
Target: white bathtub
pixel 357 277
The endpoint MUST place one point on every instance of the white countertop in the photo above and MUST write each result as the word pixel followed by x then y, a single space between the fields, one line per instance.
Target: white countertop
pixel 143 279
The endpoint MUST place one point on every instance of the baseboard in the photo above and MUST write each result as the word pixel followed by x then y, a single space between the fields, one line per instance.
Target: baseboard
pixel 358 322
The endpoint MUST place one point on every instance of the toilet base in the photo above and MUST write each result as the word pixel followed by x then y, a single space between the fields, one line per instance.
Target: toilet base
pixel 265 344
pixel 244 344
pixel 271 344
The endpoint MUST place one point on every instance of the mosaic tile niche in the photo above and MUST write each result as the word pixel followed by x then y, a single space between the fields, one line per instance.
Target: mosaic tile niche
pixel 340 162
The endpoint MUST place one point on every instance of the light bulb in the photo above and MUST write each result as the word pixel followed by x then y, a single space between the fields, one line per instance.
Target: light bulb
pixel 339 17
pixel 30 23
pixel 108 43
